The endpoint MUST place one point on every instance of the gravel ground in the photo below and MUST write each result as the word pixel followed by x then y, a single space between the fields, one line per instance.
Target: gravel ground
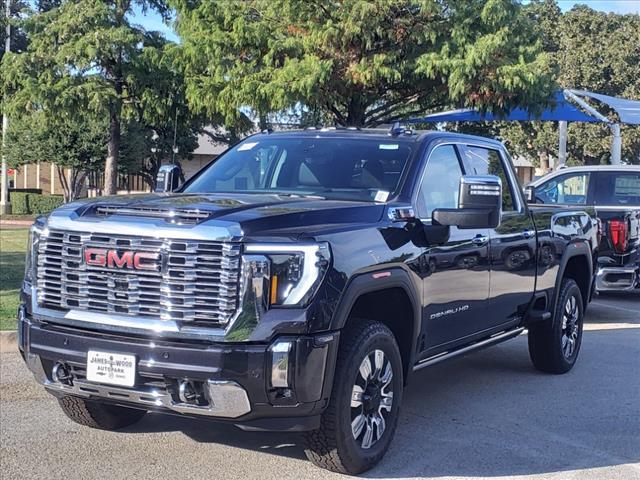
pixel 486 415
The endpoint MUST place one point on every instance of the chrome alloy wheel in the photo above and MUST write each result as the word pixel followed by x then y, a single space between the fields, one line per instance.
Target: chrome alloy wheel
pixel 570 318
pixel 371 398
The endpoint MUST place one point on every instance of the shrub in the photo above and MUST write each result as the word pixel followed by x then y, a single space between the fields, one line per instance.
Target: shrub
pixel 39 204
pixel 19 203
pixel 23 203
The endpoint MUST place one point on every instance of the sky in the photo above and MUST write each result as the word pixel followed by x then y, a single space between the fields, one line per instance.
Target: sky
pixel 152 21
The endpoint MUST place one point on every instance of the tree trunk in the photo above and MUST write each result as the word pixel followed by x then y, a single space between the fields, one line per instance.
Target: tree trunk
pixel 113 147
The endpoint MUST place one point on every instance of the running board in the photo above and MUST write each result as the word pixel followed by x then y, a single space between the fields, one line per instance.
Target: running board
pixel 497 338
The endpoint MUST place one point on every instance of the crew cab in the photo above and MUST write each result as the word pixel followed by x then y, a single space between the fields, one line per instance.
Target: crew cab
pixel 614 192
pixel 298 282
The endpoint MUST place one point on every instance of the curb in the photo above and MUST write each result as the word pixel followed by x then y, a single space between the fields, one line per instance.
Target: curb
pixel 8 341
pixel 15 223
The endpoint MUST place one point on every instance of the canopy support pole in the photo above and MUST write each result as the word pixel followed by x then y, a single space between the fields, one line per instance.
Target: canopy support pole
pixel 562 146
pixel 616 145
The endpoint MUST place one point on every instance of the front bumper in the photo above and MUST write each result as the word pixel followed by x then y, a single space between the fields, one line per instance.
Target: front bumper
pixel 234 379
pixel 618 279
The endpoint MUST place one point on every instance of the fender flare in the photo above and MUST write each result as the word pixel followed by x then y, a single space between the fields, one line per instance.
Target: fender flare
pixel 574 249
pixel 364 283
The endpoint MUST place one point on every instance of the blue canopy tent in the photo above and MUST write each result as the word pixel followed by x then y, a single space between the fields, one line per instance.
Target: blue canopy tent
pixel 562 111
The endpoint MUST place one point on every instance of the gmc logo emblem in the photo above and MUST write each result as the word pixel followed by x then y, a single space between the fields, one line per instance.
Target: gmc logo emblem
pixel 101 257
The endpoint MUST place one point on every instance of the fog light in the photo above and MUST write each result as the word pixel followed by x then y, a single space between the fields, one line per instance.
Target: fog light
pixel 280 364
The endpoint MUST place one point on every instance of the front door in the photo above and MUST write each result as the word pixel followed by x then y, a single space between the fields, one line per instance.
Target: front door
pixel 455 274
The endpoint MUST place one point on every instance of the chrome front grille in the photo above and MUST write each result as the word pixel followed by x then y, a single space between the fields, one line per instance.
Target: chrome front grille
pixel 190 281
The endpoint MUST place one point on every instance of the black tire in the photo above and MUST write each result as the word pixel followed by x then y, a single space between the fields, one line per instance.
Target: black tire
pixel 554 346
pixel 99 415
pixel 334 446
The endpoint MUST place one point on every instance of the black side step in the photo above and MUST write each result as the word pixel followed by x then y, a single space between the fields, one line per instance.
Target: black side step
pixel 497 338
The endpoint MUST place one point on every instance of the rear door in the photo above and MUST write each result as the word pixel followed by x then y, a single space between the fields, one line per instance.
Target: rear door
pixel 512 247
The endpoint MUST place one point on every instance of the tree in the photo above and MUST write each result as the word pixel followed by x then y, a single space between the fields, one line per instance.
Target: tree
pixel 358 62
pixel 77 144
pixel 81 56
pixel 590 50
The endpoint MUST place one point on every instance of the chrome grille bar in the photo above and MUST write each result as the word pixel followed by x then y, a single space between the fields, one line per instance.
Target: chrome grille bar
pixel 195 282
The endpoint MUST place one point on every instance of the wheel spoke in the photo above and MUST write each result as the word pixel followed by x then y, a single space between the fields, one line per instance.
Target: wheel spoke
pixel 367 439
pixel 378 356
pixel 365 368
pixel 387 375
pixel 380 424
pixel 357 424
pixel 570 346
pixel 385 402
pixel 356 396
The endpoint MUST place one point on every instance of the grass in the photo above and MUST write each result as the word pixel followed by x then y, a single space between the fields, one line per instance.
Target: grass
pixel 13 245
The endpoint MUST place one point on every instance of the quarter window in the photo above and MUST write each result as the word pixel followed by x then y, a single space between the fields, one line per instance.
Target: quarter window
pixel 441 181
pixel 618 188
pixel 569 189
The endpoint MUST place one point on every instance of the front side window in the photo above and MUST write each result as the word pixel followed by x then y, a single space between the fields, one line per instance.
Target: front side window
pixel 441 181
pixel 486 161
pixel 334 168
pixel 569 189
pixel 618 188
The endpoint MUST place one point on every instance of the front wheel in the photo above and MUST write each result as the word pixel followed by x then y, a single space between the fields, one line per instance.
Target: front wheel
pixel 554 347
pixel 358 425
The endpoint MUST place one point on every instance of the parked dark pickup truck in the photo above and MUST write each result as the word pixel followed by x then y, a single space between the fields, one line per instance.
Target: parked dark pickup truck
pixel 297 282
pixel 614 192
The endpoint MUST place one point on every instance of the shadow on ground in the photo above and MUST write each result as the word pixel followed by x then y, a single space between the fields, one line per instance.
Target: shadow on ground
pixel 491 414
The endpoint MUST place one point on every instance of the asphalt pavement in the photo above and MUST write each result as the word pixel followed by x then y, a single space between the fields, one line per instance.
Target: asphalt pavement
pixel 486 415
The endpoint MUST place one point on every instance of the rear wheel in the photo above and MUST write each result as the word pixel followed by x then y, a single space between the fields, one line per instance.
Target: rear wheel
pixel 99 415
pixel 358 425
pixel 554 347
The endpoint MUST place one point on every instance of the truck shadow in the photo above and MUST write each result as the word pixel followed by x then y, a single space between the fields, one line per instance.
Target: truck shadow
pixel 491 414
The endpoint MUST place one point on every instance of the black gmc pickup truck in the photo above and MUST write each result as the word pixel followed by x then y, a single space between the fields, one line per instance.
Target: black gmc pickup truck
pixel 296 283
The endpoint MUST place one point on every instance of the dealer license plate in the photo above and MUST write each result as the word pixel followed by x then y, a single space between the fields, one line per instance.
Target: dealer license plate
pixel 111 368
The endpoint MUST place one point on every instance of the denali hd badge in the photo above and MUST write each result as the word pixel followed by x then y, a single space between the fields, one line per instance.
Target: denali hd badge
pixel 120 259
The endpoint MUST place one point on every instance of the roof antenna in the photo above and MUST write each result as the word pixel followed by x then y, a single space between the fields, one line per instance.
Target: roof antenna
pixel 396 129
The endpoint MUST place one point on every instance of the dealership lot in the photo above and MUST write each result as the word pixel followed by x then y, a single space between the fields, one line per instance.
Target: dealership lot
pixel 487 415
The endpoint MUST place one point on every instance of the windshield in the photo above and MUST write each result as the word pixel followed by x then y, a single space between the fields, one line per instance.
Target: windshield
pixel 333 168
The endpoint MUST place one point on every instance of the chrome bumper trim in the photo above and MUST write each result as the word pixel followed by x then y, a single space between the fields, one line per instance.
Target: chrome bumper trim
pixel 631 280
pixel 226 399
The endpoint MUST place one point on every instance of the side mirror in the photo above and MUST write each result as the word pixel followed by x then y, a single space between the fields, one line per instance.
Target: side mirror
pixel 479 204
pixel 530 194
pixel 168 179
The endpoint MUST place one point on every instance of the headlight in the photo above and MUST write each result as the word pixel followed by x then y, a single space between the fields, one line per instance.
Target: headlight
pixel 292 273
pixel 31 261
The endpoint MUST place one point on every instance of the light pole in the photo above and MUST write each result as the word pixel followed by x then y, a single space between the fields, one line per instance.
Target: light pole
pixel 5 206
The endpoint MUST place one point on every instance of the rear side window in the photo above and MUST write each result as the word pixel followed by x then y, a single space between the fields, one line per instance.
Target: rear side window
pixel 618 188
pixel 486 161
pixel 569 189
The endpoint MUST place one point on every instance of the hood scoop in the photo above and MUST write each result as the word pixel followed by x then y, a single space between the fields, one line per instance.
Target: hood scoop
pixel 179 216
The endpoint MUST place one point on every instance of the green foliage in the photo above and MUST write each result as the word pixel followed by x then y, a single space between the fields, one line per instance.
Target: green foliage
pixel 19 203
pixel 23 203
pixel 590 50
pixel 41 204
pixel 82 57
pixel 358 62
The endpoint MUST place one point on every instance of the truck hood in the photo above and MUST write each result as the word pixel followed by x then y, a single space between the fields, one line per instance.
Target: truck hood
pixel 211 215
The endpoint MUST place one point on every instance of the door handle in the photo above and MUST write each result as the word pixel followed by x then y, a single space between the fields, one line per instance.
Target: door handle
pixel 529 233
pixel 480 240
